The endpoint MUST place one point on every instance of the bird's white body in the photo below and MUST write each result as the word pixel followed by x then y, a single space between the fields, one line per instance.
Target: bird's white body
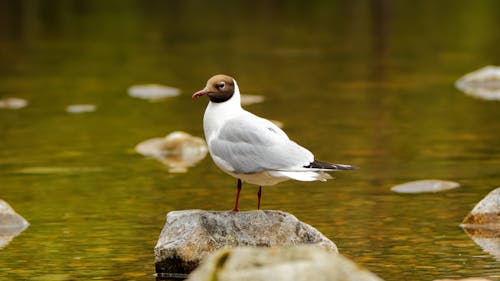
pixel 254 149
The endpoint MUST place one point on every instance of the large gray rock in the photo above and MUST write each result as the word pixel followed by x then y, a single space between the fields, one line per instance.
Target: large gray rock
pixel 188 236
pixel 11 223
pixel 300 263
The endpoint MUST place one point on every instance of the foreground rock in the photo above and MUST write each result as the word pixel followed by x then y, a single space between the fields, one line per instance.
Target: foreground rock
pixel 11 223
pixel 422 186
pixel 277 264
pixel 482 224
pixel 188 236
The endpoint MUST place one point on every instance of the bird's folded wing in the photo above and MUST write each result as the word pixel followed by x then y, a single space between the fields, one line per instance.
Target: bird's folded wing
pixel 251 145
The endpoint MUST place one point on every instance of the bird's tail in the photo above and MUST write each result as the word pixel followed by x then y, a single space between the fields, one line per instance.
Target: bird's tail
pixel 325 166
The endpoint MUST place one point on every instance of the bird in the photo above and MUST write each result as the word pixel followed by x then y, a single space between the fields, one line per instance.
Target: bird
pixel 250 148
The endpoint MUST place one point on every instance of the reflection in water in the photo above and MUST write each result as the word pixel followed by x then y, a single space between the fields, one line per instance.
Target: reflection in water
pixel 178 150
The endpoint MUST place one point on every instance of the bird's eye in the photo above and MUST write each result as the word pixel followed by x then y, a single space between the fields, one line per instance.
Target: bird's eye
pixel 220 85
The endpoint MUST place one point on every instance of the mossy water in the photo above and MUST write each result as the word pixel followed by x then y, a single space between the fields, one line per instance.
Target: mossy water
pixel 364 83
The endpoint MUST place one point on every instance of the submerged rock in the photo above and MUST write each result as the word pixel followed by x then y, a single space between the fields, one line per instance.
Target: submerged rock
pixel 152 92
pixel 299 263
pixel 483 83
pixel 482 224
pixel 178 150
pixel 422 186
pixel 13 103
pixel 11 223
pixel 81 108
pixel 188 236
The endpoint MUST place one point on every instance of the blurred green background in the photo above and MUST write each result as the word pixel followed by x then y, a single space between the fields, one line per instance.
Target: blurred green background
pixel 368 83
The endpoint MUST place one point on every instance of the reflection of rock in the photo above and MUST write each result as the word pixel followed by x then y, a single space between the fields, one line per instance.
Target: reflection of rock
pixel 300 263
pixel 424 186
pixel 482 224
pixel 178 150
pixel 251 99
pixel 483 83
pixel 152 92
pixel 188 236
pixel 13 103
pixel 81 108
pixel 11 224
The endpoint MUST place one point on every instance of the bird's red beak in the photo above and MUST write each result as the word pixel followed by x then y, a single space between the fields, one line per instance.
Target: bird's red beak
pixel 200 93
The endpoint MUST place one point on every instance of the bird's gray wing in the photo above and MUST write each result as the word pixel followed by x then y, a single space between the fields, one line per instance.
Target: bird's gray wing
pixel 250 145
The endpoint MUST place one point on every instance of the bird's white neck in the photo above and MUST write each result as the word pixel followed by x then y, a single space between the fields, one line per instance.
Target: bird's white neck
pixel 216 113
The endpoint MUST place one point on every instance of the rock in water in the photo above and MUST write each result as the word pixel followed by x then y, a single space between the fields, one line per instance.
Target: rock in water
pixel 11 223
pixel 299 263
pixel 190 235
pixel 483 83
pixel 422 186
pixel 482 224
pixel 487 211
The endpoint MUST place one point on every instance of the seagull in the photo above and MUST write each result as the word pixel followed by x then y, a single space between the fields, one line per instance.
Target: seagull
pixel 250 148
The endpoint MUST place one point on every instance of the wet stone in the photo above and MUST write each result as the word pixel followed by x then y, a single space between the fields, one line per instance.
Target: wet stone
pixel 189 236
pixel 423 186
pixel 483 83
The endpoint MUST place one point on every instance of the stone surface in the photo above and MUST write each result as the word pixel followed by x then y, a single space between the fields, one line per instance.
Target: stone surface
pixel 422 186
pixel 279 264
pixel 11 223
pixel 13 103
pixel 178 151
pixel 188 236
pixel 487 211
pixel 483 83
pixel 152 92
pixel 482 224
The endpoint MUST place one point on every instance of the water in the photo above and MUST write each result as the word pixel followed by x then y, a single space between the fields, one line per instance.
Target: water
pixel 368 83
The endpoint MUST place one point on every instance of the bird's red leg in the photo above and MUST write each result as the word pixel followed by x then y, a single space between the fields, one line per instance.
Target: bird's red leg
pixel 259 194
pixel 237 197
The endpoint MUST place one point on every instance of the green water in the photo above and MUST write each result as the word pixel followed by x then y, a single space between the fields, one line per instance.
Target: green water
pixel 368 83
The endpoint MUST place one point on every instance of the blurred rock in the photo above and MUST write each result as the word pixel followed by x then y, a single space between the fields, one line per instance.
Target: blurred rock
pixel 482 224
pixel 13 103
pixel 152 92
pixel 11 223
pixel 466 279
pixel 178 150
pixel 302 263
pixel 188 236
pixel 81 108
pixel 251 99
pixel 422 186
pixel 483 83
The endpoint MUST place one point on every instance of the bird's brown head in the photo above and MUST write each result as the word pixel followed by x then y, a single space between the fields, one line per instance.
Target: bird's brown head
pixel 219 88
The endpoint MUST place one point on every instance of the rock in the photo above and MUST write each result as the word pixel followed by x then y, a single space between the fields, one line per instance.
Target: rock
pixel 422 186
pixel 13 103
pixel 81 108
pixel 152 92
pixel 487 211
pixel 466 279
pixel 188 236
pixel 482 224
pixel 483 83
pixel 11 223
pixel 178 151
pixel 279 264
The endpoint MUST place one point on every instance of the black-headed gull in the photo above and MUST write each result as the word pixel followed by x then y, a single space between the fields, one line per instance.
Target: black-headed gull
pixel 250 148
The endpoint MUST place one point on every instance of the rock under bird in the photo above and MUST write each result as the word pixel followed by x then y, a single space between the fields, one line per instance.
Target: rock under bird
pixel 250 148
